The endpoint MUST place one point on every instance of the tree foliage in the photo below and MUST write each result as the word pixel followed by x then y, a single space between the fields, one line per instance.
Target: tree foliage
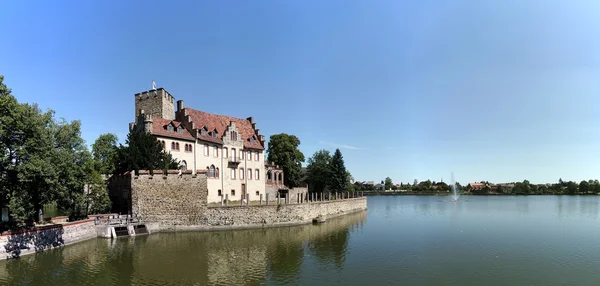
pixel 283 151
pixel 143 152
pixel 388 183
pixel 318 171
pixel 104 151
pixel 339 175
pixel 43 161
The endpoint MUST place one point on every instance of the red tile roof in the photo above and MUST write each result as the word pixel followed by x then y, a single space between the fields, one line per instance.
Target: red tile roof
pixel 159 128
pixel 220 123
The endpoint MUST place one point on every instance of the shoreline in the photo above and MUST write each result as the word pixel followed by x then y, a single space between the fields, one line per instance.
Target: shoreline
pixel 26 242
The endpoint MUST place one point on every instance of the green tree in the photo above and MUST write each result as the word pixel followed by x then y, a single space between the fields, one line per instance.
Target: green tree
pixel 283 151
pixel 318 171
pixel 339 179
pixel 104 151
pixel 584 186
pixel 572 188
pixel 143 152
pixel 388 183
pixel 97 199
pixel 72 160
pixel 350 182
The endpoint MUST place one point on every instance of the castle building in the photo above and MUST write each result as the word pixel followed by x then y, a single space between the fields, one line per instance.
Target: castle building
pixel 230 149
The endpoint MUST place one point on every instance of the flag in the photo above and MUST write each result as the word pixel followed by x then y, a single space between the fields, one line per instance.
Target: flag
pixel 153 85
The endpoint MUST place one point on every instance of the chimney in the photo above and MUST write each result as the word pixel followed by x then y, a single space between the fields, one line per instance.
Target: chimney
pixel 254 126
pixel 250 119
pixel 179 105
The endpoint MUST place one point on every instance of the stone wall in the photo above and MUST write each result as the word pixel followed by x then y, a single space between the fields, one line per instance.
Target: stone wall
pixel 271 215
pixel 18 243
pixel 170 199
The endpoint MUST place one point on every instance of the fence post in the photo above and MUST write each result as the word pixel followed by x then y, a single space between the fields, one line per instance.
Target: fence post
pixel 261 197
pixel 226 199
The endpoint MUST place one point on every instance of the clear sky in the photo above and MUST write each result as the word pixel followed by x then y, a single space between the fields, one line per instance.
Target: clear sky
pixel 491 90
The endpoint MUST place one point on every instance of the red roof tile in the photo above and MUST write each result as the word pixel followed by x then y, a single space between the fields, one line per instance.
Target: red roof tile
pixel 159 128
pixel 220 123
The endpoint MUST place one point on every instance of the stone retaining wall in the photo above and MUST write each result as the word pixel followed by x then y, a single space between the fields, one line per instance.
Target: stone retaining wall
pixel 234 217
pixel 15 244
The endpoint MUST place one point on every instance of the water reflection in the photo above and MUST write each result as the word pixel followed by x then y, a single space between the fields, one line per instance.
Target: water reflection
pixel 249 257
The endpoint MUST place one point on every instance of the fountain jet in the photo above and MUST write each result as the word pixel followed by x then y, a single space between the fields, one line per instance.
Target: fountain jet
pixel 455 194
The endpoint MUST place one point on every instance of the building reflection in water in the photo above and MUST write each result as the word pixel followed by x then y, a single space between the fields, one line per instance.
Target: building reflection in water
pixel 247 257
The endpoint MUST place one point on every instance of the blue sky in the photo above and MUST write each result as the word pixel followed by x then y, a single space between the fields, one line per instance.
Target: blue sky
pixel 489 90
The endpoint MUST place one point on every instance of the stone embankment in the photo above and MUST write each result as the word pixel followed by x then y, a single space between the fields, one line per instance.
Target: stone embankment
pixel 15 244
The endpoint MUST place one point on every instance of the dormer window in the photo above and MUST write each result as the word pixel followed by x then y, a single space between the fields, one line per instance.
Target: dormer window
pixel 203 132
pixel 252 139
pixel 233 136
pixel 214 133
pixel 170 128
pixel 179 130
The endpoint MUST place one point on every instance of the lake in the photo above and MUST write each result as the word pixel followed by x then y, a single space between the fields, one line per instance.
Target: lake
pixel 400 240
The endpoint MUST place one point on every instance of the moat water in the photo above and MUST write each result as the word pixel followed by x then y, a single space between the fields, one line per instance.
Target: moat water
pixel 400 240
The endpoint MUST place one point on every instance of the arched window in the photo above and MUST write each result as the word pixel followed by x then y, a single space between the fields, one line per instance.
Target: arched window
pixel 211 171
pixel 163 145
pixel 216 172
pixel 215 151
pixel 183 165
pixel 249 174
pixel 233 153
pixel 225 153
pixel 172 145
pixel 233 136
pixel 269 175
pixel 241 173
pixel 256 177
pixel 280 177
pixel 177 146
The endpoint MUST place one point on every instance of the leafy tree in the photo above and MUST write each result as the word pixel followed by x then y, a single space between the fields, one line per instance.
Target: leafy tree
pixel 584 186
pixel 319 171
pixel 72 160
pixel 339 179
pixel 143 152
pixel 283 151
pixel 572 188
pixel 97 199
pixel 350 184
pixel 104 151
pixel 388 183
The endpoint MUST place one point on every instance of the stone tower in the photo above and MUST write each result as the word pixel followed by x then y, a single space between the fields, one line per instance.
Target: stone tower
pixel 155 103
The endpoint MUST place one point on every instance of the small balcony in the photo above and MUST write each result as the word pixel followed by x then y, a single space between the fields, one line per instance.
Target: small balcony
pixel 233 162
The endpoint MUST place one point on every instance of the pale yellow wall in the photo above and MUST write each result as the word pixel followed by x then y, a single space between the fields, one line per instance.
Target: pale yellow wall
pixel 181 154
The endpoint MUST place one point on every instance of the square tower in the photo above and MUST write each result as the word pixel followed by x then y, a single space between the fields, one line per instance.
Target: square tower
pixel 157 103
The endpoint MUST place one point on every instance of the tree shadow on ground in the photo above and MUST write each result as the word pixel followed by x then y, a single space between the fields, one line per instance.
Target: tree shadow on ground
pixel 38 240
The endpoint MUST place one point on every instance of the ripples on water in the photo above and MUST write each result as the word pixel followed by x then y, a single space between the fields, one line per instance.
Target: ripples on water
pixel 401 240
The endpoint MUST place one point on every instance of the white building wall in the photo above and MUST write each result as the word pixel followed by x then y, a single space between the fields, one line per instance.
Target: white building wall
pixel 181 154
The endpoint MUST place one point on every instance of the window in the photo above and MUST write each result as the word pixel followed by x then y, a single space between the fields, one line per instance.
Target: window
pixel 205 150
pixel 203 132
pixel 215 151
pixel 183 165
pixel 233 193
pixel 232 153
pixel 225 153
pixel 269 175
pixel 170 128
pixel 188 147
pixel 242 154
pixel 214 133
pixel 163 145
pixel 219 193
pixel 216 172
pixel 256 158
pixel 257 193
pixel 172 145
pixel 232 173
pixel 233 136
pixel 248 155
pixel 179 130
pixel 211 171
pixel 241 173
pixel 257 173
pixel 177 146
pixel 249 174
pixel 252 139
